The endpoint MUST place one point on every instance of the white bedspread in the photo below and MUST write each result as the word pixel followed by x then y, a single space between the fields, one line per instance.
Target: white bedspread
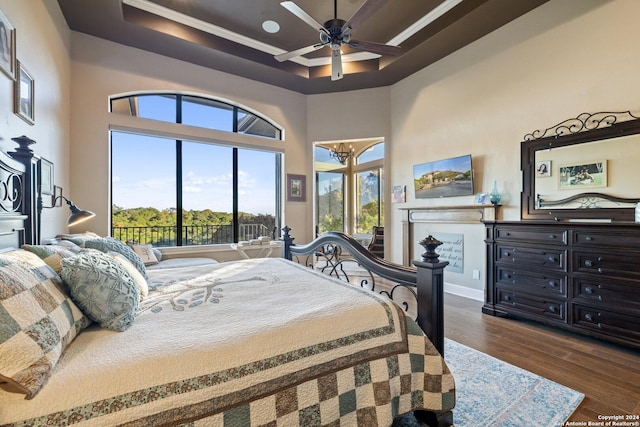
pixel 216 334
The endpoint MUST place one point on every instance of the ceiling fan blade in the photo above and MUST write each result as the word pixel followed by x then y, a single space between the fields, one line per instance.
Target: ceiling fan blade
pixel 336 64
pixel 368 8
pixel 379 48
pixel 296 10
pixel 298 52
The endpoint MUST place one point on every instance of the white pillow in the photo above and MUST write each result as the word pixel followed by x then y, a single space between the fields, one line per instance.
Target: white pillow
pixel 137 277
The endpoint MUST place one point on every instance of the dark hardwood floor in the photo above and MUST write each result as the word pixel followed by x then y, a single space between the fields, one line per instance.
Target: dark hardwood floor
pixel 607 374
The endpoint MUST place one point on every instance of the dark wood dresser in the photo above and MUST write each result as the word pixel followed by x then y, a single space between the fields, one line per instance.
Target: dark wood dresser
pixel 584 277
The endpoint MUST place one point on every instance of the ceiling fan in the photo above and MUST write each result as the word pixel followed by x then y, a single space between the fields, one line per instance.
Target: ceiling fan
pixel 337 32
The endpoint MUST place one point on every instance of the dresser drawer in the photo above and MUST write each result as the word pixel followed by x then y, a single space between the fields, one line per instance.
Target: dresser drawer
pixel 531 306
pixel 601 292
pixel 533 281
pixel 539 257
pixel 607 264
pixel 607 322
pixel 628 239
pixel 532 234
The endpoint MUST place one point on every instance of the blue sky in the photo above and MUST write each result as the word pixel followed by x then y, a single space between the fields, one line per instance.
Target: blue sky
pixel 144 168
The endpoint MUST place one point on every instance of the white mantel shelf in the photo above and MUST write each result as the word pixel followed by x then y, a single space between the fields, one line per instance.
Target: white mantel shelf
pixel 459 214
pixel 452 214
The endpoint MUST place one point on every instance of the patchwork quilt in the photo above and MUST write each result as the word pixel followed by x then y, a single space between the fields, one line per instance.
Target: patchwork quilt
pixel 260 342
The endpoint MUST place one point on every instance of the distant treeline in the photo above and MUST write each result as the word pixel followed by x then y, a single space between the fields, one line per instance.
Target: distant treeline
pixel 149 217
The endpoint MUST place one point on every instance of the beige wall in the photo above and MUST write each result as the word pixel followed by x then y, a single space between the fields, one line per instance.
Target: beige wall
pixel 43 40
pixel 564 58
pixel 101 68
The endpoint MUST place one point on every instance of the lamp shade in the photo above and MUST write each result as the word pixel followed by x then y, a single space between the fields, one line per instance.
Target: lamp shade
pixel 78 215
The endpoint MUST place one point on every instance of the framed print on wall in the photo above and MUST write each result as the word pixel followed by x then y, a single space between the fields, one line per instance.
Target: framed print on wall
pixel 583 175
pixel 296 188
pixel 24 94
pixel 7 47
pixel 45 168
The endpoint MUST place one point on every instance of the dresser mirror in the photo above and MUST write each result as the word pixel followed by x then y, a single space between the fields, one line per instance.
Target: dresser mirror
pixel 582 169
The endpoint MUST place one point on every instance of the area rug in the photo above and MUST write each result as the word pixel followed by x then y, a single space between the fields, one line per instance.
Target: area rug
pixel 490 392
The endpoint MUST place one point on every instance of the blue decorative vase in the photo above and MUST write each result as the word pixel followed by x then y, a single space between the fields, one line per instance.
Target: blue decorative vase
pixel 494 196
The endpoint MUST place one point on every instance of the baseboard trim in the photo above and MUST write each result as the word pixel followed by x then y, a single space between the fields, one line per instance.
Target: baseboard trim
pixel 463 291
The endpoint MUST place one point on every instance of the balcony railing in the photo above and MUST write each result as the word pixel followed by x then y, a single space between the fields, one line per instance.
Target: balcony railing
pixel 191 234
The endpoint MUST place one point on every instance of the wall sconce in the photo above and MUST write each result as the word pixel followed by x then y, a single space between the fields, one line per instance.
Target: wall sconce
pixel 77 215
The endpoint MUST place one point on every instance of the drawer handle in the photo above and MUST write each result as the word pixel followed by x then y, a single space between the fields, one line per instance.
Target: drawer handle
pixel 588 290
pixel 507 254
pixel 507 298
pixel 588 238
pixel 591 263
pixel 552 284
pixel 552 236
pixel 552 259
pixel 507 234
pixel 588 317
pixel 552 309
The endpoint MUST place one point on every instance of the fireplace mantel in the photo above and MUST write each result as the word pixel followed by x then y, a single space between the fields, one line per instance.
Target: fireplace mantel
pixel 459 214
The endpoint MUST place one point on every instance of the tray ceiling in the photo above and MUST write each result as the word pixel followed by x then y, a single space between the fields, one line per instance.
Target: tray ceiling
pixel 228 35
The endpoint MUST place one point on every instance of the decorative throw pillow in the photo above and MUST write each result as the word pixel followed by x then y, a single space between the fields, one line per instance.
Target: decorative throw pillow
pixel 158 254
pixel 140 281
pixel 102 288
pixel 78 238
pixel 109 244
pixel 37 321
pixel 50 254
pixel 145 252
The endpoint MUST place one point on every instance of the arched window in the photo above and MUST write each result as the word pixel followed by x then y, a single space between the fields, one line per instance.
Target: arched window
pixel 197 111
pixel 181 191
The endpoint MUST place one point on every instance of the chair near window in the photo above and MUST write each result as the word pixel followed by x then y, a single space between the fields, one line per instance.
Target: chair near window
pixel 376 246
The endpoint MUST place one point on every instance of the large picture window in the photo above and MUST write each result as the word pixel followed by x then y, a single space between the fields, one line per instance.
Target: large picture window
pixel 175 192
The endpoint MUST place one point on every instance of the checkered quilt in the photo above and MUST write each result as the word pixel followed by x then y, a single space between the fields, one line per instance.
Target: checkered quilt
pixel 251 343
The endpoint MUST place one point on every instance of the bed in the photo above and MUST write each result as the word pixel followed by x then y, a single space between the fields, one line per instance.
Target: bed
pixel 255 342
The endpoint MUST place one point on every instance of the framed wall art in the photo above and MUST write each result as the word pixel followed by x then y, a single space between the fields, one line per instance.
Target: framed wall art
pixel 24 94
pixel 7 47
pixel 45 169
pixel 543 168
pixel 583 175
pixel 296 188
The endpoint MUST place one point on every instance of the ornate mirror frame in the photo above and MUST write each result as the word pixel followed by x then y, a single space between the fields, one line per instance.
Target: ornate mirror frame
pixel 583 129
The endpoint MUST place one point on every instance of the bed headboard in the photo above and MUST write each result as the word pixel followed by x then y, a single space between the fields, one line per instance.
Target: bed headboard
pixel 18 195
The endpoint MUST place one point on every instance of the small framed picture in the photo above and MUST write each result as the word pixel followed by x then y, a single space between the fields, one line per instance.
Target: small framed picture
pixel 7 47
pixel 296 188
pixel 45 169
pixel 543 168
pixel 24 95
pixel 398 194
pixel 56 198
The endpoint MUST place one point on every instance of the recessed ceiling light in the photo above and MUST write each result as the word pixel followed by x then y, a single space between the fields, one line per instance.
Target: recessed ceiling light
pixel 271 26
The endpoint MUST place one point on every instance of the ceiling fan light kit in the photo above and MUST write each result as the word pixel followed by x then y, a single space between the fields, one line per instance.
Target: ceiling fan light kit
pixel 336 33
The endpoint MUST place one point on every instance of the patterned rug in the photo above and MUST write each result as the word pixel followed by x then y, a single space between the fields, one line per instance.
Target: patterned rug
pixel 491 392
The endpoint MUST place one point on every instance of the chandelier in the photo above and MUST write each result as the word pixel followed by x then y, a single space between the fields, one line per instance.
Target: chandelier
pixel 341 153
